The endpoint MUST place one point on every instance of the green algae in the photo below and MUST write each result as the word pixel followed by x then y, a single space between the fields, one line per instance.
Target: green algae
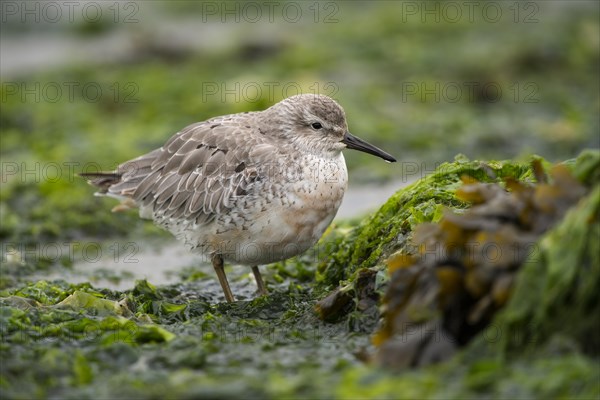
pixel 544 344
pixel 559 289
pixel 389 228
pixel 154 341
pixel 178 336
pixel 567 375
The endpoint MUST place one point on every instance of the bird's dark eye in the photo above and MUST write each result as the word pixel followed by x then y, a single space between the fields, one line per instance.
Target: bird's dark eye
pixel 316 125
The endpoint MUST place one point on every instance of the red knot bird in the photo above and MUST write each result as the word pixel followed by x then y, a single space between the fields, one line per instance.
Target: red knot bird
pixel 250 188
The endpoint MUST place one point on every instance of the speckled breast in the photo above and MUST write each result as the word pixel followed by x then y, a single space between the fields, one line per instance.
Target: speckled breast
pixel 308 203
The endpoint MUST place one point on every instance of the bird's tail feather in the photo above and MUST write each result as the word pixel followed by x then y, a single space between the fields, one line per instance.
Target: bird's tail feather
pixel 102 180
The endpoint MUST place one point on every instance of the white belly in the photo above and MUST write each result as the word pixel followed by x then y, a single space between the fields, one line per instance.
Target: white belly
pixel 289 225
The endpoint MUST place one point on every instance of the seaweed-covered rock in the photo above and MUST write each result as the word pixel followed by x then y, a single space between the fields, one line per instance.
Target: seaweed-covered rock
pixel 542 344
pixel 366 246
pixel 558 291
pixel 440 298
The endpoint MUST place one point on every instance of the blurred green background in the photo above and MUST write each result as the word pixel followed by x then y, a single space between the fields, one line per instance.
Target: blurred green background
pixel 93 84
pixel 87 85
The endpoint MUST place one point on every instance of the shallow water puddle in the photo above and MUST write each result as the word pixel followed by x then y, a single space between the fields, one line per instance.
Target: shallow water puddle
pixel 117 265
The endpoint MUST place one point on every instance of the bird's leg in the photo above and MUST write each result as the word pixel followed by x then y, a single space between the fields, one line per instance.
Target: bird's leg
pixel 217 262
pixel 262 289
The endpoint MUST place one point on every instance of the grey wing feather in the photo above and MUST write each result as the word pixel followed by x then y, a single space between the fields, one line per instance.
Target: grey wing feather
pixel 197 173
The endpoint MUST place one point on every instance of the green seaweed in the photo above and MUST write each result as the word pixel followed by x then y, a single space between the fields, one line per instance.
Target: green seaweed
pixel 544 344
pixel 389 228
pixel 559 289
pixel 156 341
pixel 549 374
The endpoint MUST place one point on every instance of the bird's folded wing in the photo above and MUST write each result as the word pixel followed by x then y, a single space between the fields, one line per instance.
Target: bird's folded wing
pixel 199 172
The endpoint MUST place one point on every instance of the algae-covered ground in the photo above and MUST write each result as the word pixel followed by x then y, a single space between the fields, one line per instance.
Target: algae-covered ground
pixel 71 328
pixel 76 341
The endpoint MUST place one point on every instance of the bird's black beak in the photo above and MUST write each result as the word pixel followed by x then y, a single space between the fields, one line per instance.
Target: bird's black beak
pixel 353 142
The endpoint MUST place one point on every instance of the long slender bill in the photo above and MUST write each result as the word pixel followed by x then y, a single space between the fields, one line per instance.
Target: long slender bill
pixel 356 143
